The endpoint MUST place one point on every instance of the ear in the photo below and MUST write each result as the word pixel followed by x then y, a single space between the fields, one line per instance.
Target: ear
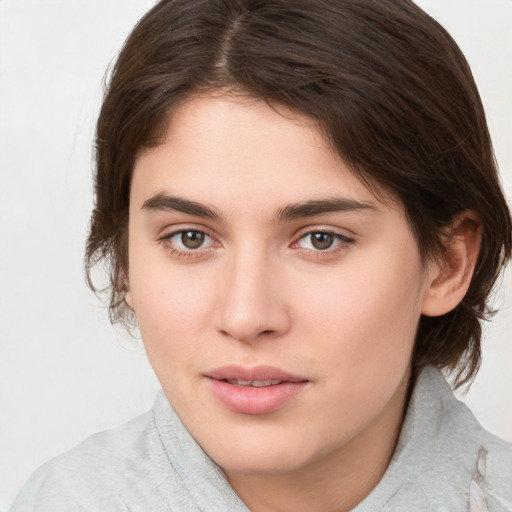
pixel 128 297
pixel 450 275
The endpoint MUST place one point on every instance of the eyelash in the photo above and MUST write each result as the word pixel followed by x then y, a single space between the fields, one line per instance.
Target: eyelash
pixel 185 253
pixel 343 242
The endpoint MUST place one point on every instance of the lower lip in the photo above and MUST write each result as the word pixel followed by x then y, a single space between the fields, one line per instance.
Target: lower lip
pixel 253 400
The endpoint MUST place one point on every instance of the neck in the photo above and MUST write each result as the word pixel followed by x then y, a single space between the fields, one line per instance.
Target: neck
pixel 336 482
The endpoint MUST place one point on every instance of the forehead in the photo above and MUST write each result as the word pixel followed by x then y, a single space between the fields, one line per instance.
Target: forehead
pixel 222 147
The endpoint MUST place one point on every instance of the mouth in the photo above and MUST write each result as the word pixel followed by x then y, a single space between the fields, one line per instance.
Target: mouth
pixel 256 391
pixel 253 383
pixel 257 375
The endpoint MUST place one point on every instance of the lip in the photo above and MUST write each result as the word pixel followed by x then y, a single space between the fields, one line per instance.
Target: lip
pixel 235 372
pixel 254 400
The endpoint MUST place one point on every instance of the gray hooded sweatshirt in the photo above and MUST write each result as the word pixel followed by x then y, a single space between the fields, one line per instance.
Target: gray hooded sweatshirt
pixel 444 462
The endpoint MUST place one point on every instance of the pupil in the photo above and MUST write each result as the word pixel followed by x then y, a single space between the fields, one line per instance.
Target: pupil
pixel 192 239
pixel 322 241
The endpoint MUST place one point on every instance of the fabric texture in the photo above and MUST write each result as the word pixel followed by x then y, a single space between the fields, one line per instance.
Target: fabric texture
pixel 444 462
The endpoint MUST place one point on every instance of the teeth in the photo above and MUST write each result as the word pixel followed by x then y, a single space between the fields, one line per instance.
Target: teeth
pixel 263 383
pixel 254 383
pixel 243 383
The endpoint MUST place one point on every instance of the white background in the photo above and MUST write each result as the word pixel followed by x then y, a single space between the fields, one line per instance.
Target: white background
pixel 65 372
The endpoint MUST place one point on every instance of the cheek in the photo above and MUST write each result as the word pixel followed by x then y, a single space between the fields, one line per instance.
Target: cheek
pixel 367 313
pixel 362 329
pixel 171 316
pixel 172 303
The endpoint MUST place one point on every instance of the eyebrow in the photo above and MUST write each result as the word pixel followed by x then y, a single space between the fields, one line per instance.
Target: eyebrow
pixel 320 206
pixel 162 203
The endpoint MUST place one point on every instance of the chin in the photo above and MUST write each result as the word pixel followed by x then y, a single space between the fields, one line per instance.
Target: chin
pixel 263 464
pixel 262 458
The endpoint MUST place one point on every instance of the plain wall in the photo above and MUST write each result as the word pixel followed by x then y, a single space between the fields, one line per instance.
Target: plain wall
pixel 65 371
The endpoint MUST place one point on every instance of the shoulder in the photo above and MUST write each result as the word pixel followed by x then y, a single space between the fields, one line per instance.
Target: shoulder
pixel 97 472
pixel 488 458
pixel 461 459
pixel 444 459
pixel 151 464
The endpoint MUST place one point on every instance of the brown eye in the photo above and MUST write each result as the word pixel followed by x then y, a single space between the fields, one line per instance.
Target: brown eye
pixel 188 243
pixel 322 241
pixel 192 239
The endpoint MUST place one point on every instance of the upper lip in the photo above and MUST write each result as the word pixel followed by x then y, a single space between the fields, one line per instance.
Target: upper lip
pixel 256 373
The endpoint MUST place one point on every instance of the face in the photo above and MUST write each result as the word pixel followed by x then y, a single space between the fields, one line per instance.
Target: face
pixel 277 298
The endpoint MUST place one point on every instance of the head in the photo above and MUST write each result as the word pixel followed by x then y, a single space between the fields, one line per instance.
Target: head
pixel 302 193
pixel 386 85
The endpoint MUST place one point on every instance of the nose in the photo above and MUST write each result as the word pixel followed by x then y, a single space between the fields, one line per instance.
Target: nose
pixel 252 303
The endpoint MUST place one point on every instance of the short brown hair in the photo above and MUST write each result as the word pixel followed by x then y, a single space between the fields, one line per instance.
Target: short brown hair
pixel 387 84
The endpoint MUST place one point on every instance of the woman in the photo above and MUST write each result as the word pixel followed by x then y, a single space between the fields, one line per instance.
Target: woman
pixel 301 212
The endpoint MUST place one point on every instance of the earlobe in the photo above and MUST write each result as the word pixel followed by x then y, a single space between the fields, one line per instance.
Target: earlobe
pixel 128 298
pixel 450 275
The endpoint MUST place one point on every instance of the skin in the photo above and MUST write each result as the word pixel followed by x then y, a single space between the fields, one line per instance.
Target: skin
pixel 256 291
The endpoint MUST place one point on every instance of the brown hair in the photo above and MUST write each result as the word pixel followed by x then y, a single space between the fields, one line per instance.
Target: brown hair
pixel 388 85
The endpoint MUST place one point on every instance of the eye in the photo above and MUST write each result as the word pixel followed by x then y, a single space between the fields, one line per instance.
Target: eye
pixel 189 240
pixel 321 240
